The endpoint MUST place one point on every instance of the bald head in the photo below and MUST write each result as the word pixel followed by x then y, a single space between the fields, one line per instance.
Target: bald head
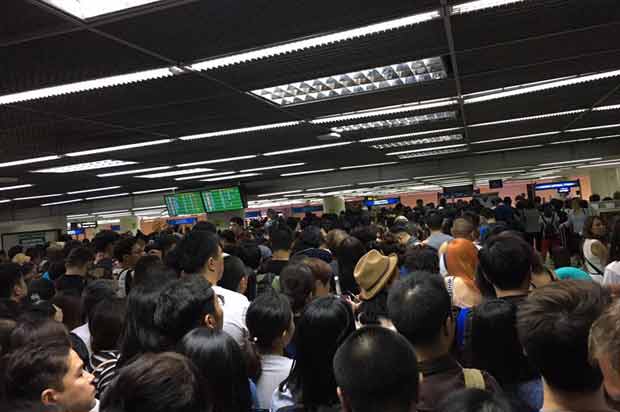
pixel 463 229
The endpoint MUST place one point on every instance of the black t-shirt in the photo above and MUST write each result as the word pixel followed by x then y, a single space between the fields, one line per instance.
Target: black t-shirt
pixel 71 284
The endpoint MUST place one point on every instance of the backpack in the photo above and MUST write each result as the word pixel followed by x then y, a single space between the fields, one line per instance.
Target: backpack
pixel 550 229
pixel 264 282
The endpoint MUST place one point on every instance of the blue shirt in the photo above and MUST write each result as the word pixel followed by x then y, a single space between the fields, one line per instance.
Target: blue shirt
pixel 571 273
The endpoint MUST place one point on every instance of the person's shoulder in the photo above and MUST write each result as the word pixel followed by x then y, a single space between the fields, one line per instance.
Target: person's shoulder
pixel 231 295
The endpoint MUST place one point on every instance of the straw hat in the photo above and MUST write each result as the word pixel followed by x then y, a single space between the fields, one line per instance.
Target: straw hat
pixel 373 272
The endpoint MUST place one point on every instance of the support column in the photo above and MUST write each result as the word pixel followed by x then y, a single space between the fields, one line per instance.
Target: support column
pixel 333 204
pixel 605 181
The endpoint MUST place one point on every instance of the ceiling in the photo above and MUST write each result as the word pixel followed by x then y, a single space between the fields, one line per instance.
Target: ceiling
pixel 514 44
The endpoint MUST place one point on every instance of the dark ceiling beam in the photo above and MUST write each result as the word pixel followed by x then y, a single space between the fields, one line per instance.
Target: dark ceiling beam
pixel 445 11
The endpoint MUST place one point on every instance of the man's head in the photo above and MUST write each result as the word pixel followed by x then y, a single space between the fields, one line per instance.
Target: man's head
pixel 12 284
pixel 463 229
pixel 420 308
pixel 553 324
pixel 50 372
pixel 506 262
pixel 104 242
pixel 435 220
pixel 401 232
pixel 79 259
pixel 128 251
pixel 376 370
pixel 281 238
pixel 236 225
pixel 187 304
pixel 164 382
pixel 199 252
pixel 604 346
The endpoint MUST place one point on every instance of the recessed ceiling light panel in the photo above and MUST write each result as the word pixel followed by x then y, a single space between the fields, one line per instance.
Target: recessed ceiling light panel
pixel 432 153
pixel 400 122
pixel 363 81
pixel 415 142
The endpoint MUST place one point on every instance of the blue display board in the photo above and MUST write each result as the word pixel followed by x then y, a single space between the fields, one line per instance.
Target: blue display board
pixel 185 221
pixel 382 202
pixel 557 185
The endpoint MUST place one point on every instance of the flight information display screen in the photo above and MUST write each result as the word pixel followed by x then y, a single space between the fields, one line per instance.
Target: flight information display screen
pixel 189 203
pixel 221 200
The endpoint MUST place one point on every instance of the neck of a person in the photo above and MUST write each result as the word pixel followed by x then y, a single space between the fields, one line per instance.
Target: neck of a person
pixel 429 352
pixel 75 271
pixel 501 293
pixel 212 277
pixel 435 232
pixel 280 255
pixel 557 400
pixel 276 349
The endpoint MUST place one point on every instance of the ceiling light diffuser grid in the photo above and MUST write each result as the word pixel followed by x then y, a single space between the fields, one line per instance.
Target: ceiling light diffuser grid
pixel 368 80
pixel 427 140
pixel 79 167
pixel 400 122
pixel 432 153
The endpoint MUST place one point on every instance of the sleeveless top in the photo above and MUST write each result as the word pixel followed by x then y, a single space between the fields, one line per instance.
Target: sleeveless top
pixel 593 264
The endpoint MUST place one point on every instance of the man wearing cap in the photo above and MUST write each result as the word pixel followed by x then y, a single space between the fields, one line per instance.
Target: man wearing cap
pixel 374 273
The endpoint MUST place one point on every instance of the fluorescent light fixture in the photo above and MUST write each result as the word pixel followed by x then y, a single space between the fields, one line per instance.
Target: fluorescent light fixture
pixel 398 136
pixel 93 84
pixel 62 202
pixel 611 136
pixel 204 176
pixel 78 215
pixel 537 86
pixel 80 167
pixel 258 169
pixel 240 130
pixel 415 142
pixel 600 165
pixel 472 6
pixel 605 126
pixel 93 190
pixel 426 149
pixel 383 181
pixel 108 196
pixel 108 212
pixel 15 187
pixel 368 165
pixel 432 153
pixel 499 173
pixel 239 176
pixel 134 171
pixel 163 189
pixel 223 160
pixel 307 172
pixel 317 41
pixel 307 148
pixel 175 173
pixel 5 200
pixel 384 111
pixel 39 196
pixel 510 149
pixel 524 136
pixel 149 207
pixel 279 193
pixel 400 122
pixel 571 141
pixel 363 81
pixel 442 175
pixel 86 9
pixel 121 147
pixel 115 215
pixel 318 189
pixel 571 161
pixel 28 161
pixel 534 117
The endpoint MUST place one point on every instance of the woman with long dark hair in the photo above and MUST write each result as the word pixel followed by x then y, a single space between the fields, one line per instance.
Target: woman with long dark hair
pixel 595 253
pixel 219 359
pixel 348 254
pixel 325 324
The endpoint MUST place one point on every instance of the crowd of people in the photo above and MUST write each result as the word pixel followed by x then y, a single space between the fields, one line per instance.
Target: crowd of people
pixel 452 307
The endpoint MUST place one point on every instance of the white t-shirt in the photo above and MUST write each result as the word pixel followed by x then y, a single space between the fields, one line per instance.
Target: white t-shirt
pixel 275 369
pixel 83 333
pixel 235 306
pixel 612 273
